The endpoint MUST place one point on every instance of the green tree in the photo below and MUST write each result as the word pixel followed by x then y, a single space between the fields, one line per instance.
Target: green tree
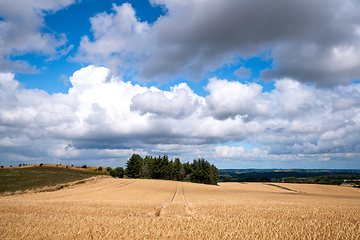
pixel 200 171
pixel 145 167
pixel 179 171
pixel 118 172
pixel 133 166
pixel 159 167
pixel 214 174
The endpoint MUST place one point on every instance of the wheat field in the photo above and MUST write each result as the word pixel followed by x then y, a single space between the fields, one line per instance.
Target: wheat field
pixel 108 208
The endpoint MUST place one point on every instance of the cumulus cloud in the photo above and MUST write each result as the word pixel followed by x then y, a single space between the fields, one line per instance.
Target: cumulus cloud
pixel 21 24
pixel 111 118
pixel 231 99
pixel 180 103
pixel 310 41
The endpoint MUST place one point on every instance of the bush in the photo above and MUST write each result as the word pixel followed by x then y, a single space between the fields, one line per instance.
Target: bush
pixel 41 164
pixel 112 173
pixel 72 165
pixel 108 169
pixel 2 166
pixel 67 166
pixel 84 166
pixel 100 168
pixel 10 165
pixel 118 172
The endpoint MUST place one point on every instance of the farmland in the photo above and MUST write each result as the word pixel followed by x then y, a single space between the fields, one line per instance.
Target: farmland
pixel 47 177
pixel 109 208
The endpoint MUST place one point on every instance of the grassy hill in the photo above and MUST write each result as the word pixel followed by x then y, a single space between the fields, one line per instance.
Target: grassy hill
pixel 23 178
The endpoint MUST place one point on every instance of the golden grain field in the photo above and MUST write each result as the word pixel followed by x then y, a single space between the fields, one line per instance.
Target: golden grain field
pixel 109 208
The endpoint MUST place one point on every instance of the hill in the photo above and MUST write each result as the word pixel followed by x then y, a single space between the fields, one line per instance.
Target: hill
pixel 14 179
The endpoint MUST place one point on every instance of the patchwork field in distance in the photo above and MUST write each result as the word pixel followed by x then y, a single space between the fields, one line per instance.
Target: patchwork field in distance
pixel 109 208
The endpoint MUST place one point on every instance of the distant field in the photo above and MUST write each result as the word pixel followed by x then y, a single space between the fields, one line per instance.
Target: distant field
pixel 22 178
pixel 109 208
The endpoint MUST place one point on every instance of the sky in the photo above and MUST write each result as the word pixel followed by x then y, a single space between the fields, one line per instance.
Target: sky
pixel 243 84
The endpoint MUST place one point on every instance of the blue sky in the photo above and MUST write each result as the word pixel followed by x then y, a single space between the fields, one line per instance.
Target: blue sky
pixel 255 84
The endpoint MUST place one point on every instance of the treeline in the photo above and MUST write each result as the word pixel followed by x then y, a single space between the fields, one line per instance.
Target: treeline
pixel 328 179
pixel 199 171
pixel 250 179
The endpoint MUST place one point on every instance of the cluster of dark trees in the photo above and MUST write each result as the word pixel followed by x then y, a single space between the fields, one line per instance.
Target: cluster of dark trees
pixel 199 171
pixel 249 179
pixel 329 179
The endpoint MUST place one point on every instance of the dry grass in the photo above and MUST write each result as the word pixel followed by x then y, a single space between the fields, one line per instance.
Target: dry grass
pixel 110 208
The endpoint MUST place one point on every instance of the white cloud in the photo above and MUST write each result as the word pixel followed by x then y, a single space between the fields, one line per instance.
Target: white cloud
pixel 181 102
pixel 230 99
pixel 102 118
pixel 21 32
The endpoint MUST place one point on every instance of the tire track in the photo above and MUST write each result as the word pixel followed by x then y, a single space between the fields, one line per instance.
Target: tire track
pixel 177 206
pixel 118 186
pixel 187 205
pixel 158 211
pixel 89 192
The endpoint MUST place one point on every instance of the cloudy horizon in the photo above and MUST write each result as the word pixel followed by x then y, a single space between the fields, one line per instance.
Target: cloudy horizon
pixel 243 84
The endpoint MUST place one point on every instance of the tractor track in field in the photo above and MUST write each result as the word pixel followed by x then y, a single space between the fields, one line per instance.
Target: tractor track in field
pixel 92 191
pixel 176 200
pixel 158 211
pixel 188 208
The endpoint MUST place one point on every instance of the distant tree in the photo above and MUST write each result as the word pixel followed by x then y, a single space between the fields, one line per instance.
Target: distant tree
pixel 20 165
pixel 2 166
pixel 200 171
pixel 145 167
pixel 112 173
pixel 100 168
pixel 108 169
pixel 227 179
pixel 118 172
pixel 133 166
pixel 187 171
pixel 214 174
pixel 187 168
pixel 179 171
pixel 84 166
pixel 170 171
pixel 160 167
pixel 203 172
pixel 41 164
